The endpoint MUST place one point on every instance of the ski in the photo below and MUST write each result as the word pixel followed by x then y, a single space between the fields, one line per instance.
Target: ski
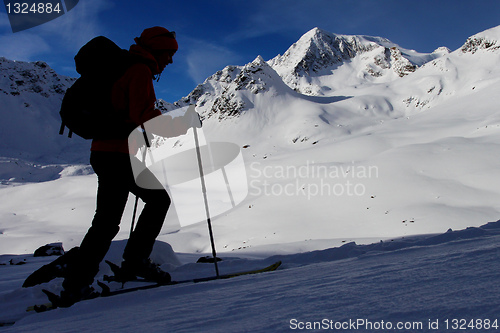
pixel 107 292
pixel 269 268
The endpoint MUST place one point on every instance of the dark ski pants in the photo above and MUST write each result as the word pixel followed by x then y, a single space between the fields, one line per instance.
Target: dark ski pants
pixel 115 182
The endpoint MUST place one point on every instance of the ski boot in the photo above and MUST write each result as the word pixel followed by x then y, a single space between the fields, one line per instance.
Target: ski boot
pixel 145 269
pixel 70 297
pixel 55 269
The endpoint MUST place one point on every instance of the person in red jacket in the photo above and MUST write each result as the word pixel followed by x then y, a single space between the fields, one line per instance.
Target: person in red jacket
pixel 133 94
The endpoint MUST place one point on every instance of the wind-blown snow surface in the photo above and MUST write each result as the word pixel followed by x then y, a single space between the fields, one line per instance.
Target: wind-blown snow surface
pixel 373 143
pixel 420 284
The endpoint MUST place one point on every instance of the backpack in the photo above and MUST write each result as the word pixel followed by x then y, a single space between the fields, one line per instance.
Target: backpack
pixel 86 108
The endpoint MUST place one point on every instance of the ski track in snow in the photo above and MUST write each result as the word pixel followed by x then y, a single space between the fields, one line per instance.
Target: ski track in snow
pixel 417 280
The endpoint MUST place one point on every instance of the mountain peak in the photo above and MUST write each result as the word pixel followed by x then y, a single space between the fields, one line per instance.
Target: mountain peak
pixel 259 61
pixel 318 49
pixel 316 33
pixel 319 53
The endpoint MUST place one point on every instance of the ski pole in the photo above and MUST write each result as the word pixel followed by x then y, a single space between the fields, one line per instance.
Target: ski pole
pixel 146 140
pixel 204 190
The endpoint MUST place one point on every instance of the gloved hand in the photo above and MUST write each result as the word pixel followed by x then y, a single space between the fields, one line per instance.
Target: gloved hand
pixel 192 118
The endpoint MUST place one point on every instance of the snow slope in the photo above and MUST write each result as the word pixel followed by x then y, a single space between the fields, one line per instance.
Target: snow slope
pixel 420 284
pixel 31 94
pixel 30 148
pixel 419 150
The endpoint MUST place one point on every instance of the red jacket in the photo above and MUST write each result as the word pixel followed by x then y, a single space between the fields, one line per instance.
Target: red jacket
pixel 133 94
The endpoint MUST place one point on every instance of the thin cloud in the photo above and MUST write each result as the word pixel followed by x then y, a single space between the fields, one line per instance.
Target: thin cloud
pixel 78 25
pixel 23 46
pixel 4 21
pixel 298 16
pixel 262 21
pixel 64 34
pixel 204 59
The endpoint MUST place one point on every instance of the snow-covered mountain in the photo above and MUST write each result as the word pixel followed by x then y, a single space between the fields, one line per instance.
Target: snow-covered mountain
pixel 429 133
pixel 30 99
pixel 339 74
pixel 333 80
pixel 31 94
pixel 335 76
pixel 319 54
pixel 426 136
pixel 318 64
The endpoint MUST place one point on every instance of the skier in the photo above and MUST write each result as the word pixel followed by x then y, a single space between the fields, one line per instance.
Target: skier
pixel 133 94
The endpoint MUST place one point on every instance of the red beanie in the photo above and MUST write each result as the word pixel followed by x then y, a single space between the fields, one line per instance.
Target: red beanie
pixel 157 38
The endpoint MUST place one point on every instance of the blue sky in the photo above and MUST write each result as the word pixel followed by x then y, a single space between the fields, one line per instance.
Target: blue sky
pixel 216 33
